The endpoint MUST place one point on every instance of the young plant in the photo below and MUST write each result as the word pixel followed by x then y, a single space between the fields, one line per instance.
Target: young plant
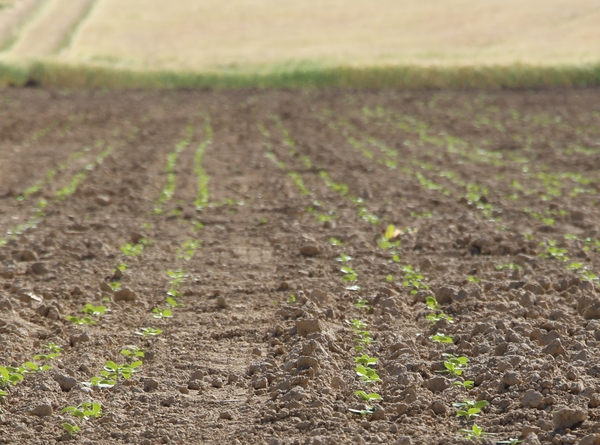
pixel 343 258
pixel 162 313
pixel 132 352
pixel 413 279
pixel 173 303
pixel 442 338
pixel 93 310
pixel 115 286
pixel 357 324
pixel 148 332
pixel 9 375
pixel 46 357
pixel 177 277
pixel 467 384
pixel 71 430
pixel 434 318
pixel 85 410
pixel 432 303
pixel 335 242
pixel 455 366
pixel 292 299
pixel 349 274
pixel 363 412
pixel 362 304
pixel 367 375
pixel 134 249
pixel 388 239
pixel 476 432
pixel 113 371
pixel 365 360
pixel 368 397
pixel 80 321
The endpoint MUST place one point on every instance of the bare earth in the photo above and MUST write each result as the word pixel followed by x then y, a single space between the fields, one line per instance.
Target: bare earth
pixel 494 198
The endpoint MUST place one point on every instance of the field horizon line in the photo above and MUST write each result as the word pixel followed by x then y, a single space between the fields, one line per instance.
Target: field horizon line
pixel 410 77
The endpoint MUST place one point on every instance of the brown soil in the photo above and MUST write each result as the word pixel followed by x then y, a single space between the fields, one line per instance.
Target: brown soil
pixel 481 184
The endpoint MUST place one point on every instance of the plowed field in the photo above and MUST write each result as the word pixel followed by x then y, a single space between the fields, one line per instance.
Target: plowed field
pixel 264 255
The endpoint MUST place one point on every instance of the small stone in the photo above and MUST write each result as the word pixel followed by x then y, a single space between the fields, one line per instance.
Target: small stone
pixel 150 385
pixel 532 439
pixel 257 352
pixel 79 338
pixel 460 296
pixel 437 384
pixel 319 297
pixel 198 375
pixel 42 410
pixel 568 418
pixel 125 295
pixel 195 385
pixel 103 200
pixel 555 348
pixel 217 383
pixel 511 378
pixel 136 237
pixel 39 268
pixel 379 413
pixel 338 383
pixel 260 383
pixel 66 383
pixel 445 294
pixel 232 378
pixel 403 440
pixel 221 302
pixel 28 255
pixel 226 415
pixel 169 401
pixel 590 439
pixel 527 299
pixel 309 250
pixel 306 362
pixel 8 273
pixel 532 399
pixel 306 327
pixel 104 287
pixel 439 408
pixel 53 313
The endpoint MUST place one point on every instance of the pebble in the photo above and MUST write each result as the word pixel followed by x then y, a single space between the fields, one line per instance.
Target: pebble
pixel 590 439
pixel 568 418
pixel 27 255
pixel 222 302
pixel 437 384
pixel 125 295
pixel 150 385
pixel 439 408
pixel 511 378
pixel 555 348
pixel 79 338
pixel 226 415
pixel 217 383
pixel 532 398
pixel 39 268
pixel 309 326
pixel 67 383
pixel 42 410
pixel 310 250
pixel 169 401
pixel 260 383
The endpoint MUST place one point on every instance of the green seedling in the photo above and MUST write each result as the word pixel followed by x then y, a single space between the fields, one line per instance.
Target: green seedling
pixel 335 242
pixel 188 249
pixel 343 258
pixel 432 303
pixel 387 239
pixel 455 366
pixel 357 324
pixel 466 403
pixel 9 375
pixel 467 414
pixel 46 357
pixel 101 382
pixel 299 183
pixel 508 266
pixel 510 441
pixel 362 304
pixel 442 338
pixel 413 279
pixel 473 279
pixel 367 375
pixel 349 274
pixel 85 410
pixel 31 368
pixel 132 249
pixel 93 310
pixel 467 384
pixel 122 267
pixel 71 430
pixel 434 318
pixel 162 313
pixel 363 412
pixel 476 432
pixel 389 278
pixel 174 293
pixel 368 397
pixel 113 371
pixel 177 277
pixel 365 360
pixel 132 352
pixel 115 286
pixel 171 302
pixel 80 321
pixel 552 251
pixel 291 299
pixel 148 332
pixel 261 222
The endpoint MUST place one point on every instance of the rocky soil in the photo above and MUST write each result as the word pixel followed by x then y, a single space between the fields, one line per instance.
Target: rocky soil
pixel 466 225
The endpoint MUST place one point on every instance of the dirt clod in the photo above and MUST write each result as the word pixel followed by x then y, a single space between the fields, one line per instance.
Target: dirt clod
pixel 569 418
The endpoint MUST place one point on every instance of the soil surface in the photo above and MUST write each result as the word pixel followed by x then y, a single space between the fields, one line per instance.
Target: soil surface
pixel 243 207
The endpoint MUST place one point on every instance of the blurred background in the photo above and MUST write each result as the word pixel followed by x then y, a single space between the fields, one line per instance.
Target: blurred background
pixel 266 36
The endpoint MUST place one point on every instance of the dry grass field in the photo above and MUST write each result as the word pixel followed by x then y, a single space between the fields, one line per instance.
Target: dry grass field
pixel 243 37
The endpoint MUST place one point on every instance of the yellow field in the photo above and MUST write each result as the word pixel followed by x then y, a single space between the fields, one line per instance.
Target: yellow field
pixel 265 36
